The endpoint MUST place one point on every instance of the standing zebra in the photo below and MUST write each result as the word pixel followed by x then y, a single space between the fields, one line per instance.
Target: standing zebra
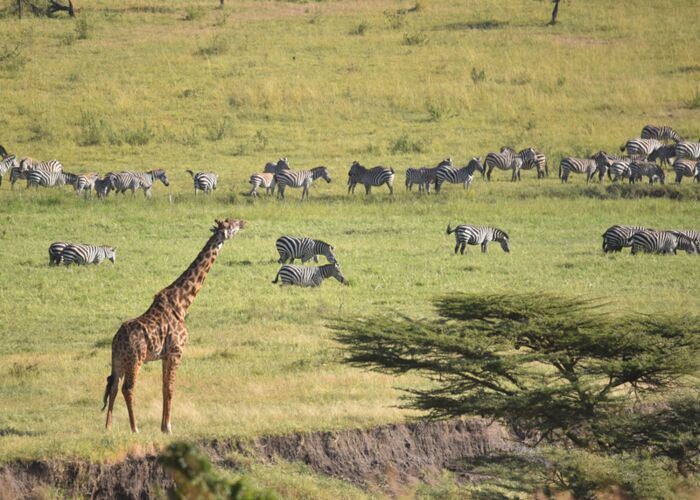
pixel 299 179
pixel 103 186
pixel 662 133
pixel 539 163
pixel 468 234
pixel 465 175
pixel 417 176
pixel 7 164
pixel 56 252
pixel 586 166
pixel 266 180
pixel 508 159
pixel 375 176
pixel 431 172
pixel 305 249
pixel 204 181
pixel 642 147
pixel 27 163
pixel 619 169
pixel 138 180
pixel 648 169
pixel 686 168
pixel 85 183
pixel 663 242
pixel 49 179
pixel 689 150
pixel 617 237
pixel 309 276
pixel 665 153
pixel 87 254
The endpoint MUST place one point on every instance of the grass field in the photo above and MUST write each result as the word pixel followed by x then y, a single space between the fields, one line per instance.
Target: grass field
pixel 181 85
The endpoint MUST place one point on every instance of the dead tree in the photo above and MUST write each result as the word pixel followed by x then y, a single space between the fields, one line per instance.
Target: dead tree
pixel 554 13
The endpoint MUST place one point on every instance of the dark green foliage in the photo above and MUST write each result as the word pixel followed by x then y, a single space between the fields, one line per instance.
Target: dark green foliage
pixel 195 477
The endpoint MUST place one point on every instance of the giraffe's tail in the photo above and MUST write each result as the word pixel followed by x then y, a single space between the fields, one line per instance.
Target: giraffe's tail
pixel 111 380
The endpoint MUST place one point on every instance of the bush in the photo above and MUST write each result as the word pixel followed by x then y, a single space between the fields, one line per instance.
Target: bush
pixel 92 130
pixel 218 45
pixel 360 29
pixel 140 136
pixel 405 145
pixel 418 38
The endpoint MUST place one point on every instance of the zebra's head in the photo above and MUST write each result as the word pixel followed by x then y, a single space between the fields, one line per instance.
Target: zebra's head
pixel 330 254
pixel 321 172
pixel 224 229
pixel 111 254
pixel 502 238
pixel 355 170
pixel 338 274
pixel 282 164
pixel 688 244
pixel 160 174
pixel 447 162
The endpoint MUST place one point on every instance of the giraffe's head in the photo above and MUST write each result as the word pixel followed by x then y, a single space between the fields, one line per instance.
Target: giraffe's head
pixel 224 229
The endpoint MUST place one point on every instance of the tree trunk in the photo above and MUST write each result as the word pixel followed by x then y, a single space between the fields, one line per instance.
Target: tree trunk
pixel 554 13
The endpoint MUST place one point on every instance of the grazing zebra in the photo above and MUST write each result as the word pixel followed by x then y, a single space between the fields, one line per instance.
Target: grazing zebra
pixel 375 176
pixel 56 252
pixel 617 237
pixel 685 168
pixel 665 153
pixel 417 176
pixel 103 186
pixel 299 179
pixel 204 181
pixel 468 234
pixel 662 133
pixel 305 249
pixel 49 179
pixel 586 166
pixel 6 164
pixel 689 150
pixel 648 169
pixel 663 242
pixel 266 180
pixel 85 183
pixel 508 159
pixel 643 147
pixel 539 163
pixel 87 254
pixel 309 276
pixel 273 168
pixel 619 169
pixel 692 234
pixel 465 175
pixel 135 180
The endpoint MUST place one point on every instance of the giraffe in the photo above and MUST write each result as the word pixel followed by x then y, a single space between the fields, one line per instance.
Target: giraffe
pixel 160 332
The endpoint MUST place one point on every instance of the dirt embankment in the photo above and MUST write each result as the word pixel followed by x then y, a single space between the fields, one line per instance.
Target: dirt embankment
pixel 398 454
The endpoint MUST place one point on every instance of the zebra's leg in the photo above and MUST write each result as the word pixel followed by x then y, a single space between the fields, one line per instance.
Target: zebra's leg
pixel 457 247
pixel 391 188
pixel 368 188
pixel 484 246
pixel 315 257
pixel 463 246
pixel 488 173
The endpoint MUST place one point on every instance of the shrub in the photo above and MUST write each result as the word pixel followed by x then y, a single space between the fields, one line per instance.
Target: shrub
pixel 140 136
pixel 478 76
pixel 92 129
pixel 396 19
pixel 360 29
pixel 218 45
pixel 193 13
pixel 418 38
pixel 218 129
pixel 405 145
pixel 82 28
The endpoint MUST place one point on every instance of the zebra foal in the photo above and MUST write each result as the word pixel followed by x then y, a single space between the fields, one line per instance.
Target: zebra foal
pixel 309 276
pixel 663 242
pixel 266 180
pixel 299 179
pixel 291 248
pixel 204 181
pixel 469 234
pixel 87 254
pixel 417 176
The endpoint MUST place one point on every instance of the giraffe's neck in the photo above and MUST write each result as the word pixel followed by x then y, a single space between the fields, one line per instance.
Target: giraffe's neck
pixel 190 282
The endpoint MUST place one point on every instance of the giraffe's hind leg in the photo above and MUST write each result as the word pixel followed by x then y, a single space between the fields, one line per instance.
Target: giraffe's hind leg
pixel 130 375
pixel 113 390
pixel 170 365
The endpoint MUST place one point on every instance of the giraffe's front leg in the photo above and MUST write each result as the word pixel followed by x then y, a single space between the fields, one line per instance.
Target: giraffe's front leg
pixel 170 365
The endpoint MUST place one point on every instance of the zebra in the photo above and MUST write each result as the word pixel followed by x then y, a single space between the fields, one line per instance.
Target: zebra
pixel 508 159
pixel 468 234
pixel 138 180
pixel 309 276
pixel 690 233
pixel 643 147
pixel 49 179
pixel 291 248
pixel 204 181
pixel 85 183
pixel 299 178
pixel 686 168
pixel 662 133
pixel 539 163
pixel 103 186
pixel 273 168
pixel 7 164
pixel 87 254
pixel 27 163
pixel 266 180
pixel 646 168
pixel 689 150
pixel 56 252
pixel 586 166
pixel 663 242
pixel 665 153
pixel 619 169
pixel 453 175
pixel 375 176
pixel 417 176
pixel 431 172
pixel 617 237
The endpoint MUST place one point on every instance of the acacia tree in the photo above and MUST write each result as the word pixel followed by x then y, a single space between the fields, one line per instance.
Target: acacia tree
pixel 559 368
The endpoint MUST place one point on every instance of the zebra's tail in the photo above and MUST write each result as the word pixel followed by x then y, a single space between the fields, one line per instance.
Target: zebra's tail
pixel 450 230
pixel 190 172
pixel 560 170
pixel 276 277
pixel 111 380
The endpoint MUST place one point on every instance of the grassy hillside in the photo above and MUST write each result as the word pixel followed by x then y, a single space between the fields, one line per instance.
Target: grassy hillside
pixel 181 85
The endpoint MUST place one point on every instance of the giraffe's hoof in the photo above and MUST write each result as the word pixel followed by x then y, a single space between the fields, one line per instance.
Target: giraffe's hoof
pixel 135 430
pixel 166 429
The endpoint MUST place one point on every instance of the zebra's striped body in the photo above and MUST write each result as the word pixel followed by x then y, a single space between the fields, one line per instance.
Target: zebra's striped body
pixel 642 147
pixel 266 180
pixel 539 163
pixel 291 248
pixel 665 153
pixel 87 254
pixel 417 176
pixel 204 181
pixel 299 179
pixel 648 169
pixel 85 183
pixel 103 186
pixel 56 252
pixel 686 168
pixel 508 159
pixel 617 237
pixel 49 179
pixel 138 180
pixel 689 150
pixel 7 164
pixel 431 172
pixel 27 163
pixel 468 234
pixel 308 276
pixel 619 169
pixel 464 175
pixel 578 166
pixel 662 133
pixel 663 242
pixel 375 176
pixel 692 234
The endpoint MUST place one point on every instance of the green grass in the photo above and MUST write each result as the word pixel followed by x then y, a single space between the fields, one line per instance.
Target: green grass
pixel 170 85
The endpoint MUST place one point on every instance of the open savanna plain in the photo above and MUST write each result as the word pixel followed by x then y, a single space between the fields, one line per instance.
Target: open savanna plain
pixel 137 85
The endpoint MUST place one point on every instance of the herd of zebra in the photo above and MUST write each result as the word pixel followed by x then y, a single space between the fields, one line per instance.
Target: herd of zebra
pixel 648 240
